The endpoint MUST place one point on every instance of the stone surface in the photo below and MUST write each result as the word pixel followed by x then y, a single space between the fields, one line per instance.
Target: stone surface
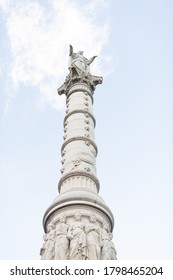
pixel 78 237
pixel 78 225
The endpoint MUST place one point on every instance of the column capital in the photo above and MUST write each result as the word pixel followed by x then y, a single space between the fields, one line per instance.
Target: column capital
pixel 90 80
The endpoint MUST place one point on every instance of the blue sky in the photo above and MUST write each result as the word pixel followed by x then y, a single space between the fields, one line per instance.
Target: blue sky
pixel 133 108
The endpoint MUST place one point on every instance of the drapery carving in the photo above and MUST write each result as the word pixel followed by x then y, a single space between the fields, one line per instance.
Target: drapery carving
pixel 78 240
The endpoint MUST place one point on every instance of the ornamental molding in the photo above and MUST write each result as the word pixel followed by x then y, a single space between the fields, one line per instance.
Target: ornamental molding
pixel 79 138
pixel 77 174
pixel 79 87
pixel 87 93
pixel 79 111
pixel 64 205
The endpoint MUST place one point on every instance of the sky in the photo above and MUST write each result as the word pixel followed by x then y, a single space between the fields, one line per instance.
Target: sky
pixel 133 109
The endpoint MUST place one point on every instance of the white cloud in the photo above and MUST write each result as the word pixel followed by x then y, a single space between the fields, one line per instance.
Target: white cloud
pixel 4 5
pixel 40 37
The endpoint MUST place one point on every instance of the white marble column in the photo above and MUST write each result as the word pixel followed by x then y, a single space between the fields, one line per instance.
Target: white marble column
pixel 79 150
pixel 78 224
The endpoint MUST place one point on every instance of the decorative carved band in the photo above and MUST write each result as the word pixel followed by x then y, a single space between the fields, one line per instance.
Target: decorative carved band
pixel 79 173
pixel 80 111
pixel 77 138
pixel 80 87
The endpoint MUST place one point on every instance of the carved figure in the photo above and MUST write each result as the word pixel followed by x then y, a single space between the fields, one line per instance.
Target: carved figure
pixel 113 250
pixel 79 67
pixel 77 239
pixel 78 64
pixel 107 248
pixel 93 239
pixel 76 163
pixel 61 240
pixel 43 248
pixel 83 157
pixel 50 243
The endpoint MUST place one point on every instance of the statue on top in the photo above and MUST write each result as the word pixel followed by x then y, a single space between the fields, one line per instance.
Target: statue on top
pixel 78 64
pixel 79 67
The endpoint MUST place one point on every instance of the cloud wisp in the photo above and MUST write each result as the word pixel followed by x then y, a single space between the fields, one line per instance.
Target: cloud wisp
pixel 40 32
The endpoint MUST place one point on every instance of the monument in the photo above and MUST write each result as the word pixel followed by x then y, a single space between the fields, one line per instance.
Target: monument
pixel 78 224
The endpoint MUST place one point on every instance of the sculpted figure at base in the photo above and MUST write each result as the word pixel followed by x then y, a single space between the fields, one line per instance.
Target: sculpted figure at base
pixel 49 253
pixel 77 239
pixel 113 250
pixel 93 239
pixel 107 248
pixel 61 240
pixel 43 248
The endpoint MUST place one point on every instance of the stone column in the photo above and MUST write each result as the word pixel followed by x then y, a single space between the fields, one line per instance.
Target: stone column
pixel 79 149
pixel 82 222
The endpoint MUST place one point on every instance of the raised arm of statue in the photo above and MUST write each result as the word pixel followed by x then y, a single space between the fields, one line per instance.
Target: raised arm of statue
pixel 89 61
pixel 71 51
pixel 71 55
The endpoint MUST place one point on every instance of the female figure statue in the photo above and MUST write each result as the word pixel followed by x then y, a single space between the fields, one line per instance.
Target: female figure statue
pixel 61 240
pixel 43 248
pixel 108 251
pixel 79 67
pixel 77 238
pixel 50 243
pixel 93 239
pixel 78 64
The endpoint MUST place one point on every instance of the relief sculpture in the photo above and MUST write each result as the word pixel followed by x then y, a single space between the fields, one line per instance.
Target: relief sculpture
pixel 77 237
pixel 78 240
pixel 108 251
pixel 61 240
pixel 83 157
pixel 43 248
pixel 49 253
pixel 93 239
